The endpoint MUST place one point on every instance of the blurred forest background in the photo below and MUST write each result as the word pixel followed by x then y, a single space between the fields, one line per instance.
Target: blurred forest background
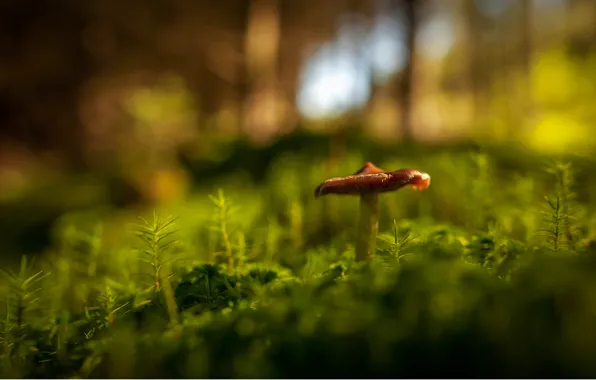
pixel 128 103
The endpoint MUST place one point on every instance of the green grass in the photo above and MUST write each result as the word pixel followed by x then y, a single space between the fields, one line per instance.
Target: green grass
pixel 490 272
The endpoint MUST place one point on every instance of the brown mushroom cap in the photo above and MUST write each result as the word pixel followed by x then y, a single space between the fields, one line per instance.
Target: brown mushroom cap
pixel 370 179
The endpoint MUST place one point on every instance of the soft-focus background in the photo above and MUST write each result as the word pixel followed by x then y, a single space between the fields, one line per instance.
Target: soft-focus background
pixel 123 106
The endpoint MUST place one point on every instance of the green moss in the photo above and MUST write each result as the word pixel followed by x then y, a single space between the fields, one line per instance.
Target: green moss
pixel 470 280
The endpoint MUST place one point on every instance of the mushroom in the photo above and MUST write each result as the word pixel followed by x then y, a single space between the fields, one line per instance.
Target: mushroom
pixel 367 183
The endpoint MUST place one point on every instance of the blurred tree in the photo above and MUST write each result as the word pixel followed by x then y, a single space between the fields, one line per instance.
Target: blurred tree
pixel 474 57
pixel 263 107
pixel 42 65
pixel 406 93
pixel 527 26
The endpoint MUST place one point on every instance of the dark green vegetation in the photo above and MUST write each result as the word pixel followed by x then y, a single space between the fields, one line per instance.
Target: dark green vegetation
pixel 480 275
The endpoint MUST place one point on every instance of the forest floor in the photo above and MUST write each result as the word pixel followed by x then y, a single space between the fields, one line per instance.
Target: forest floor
pixel 490 272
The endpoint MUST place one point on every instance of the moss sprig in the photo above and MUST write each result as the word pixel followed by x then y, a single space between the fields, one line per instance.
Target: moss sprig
pixel 560 214
pixel 156 253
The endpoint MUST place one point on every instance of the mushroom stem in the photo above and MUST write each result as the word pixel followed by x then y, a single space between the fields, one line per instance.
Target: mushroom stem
pixel 368 226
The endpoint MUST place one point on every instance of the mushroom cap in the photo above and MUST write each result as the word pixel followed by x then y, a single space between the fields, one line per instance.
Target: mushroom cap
pixel 370 179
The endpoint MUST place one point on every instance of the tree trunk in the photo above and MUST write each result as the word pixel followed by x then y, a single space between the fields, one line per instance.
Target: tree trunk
pixel 526 53
pixel 474 64
pixel 406 93
pixel 262 112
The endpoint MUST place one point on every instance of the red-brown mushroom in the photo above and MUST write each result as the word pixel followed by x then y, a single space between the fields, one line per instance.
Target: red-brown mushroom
pixel 367 183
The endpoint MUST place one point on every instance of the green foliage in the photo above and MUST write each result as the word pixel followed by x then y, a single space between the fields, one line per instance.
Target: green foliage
pixel 22 303
pixel 397 246
pixel 221 225
pixel 470 280
pixel 561 218
pixel 157 244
